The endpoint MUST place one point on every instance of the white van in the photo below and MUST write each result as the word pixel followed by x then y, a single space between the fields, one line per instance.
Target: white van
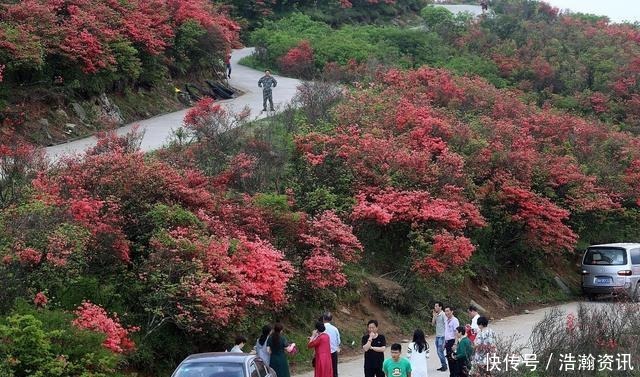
pixel 612 268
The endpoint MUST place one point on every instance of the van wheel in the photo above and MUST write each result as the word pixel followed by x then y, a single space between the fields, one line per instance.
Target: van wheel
pixel 591 297
pixel 636 294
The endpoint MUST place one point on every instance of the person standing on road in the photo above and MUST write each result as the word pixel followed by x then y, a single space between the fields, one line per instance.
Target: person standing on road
pixel 484 345
pixel 396 366
pixel 450 338
pixel 227 65
pixel 267 82
pixel 334 337
pixel 439 320
pixel 374 345
pixel 276 345
pixel 463 353
pixel 319 341
pixel 472 329
pixel 484 5
pixel 417 353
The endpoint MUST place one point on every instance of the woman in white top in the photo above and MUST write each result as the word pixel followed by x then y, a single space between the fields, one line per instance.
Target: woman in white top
pixel 417 353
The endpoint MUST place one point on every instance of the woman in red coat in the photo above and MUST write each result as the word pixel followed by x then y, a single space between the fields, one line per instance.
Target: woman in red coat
pixel 320 341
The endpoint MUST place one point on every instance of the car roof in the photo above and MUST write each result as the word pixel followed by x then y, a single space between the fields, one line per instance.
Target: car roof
pixel 625 245
pixel 224 357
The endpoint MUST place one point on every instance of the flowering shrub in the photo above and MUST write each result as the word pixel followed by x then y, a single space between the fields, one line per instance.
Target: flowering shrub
pixel 95 318
pixel 332 244
pixel 298 61
pixel 29 256
pixel 40 300
pixel 44 342
pixel 19 163
pixel 214 286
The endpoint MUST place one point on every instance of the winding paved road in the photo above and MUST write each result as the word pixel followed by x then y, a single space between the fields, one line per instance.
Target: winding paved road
pixel 475 10
pixel 158 129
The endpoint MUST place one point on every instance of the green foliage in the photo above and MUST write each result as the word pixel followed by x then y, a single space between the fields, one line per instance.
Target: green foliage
pixel 272 202
pixel 441 21
pixel 476 65
pixel 45 344
pixel 434 16
pixel 386 45
pixel 166 217
pixel 322 199
pixel 195 49
pixel 129 66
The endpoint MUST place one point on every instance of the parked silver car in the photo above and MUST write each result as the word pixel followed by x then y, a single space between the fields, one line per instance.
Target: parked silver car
pixel 612 269
pixel 223 364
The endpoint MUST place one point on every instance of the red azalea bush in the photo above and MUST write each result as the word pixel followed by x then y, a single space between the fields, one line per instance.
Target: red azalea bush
pixel 40 300
pixel 85 31
pixel 93 317
pixel 332 243
pixel 217 282
pixel 446 155
pixel 298 61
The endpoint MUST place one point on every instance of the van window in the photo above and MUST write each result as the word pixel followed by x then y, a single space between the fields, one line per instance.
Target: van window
pixel 605 256
pixel 635 256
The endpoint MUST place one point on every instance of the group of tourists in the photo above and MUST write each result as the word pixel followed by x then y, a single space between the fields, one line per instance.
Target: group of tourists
pixel 272 347
pixel 461 350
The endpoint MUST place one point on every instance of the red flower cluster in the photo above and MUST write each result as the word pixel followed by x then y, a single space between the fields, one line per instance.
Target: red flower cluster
pixel 94 318
pixel 332 243
pixel 84 31
pixel 40 300
pixel 218 281
pixel 29 256
pixel 298 61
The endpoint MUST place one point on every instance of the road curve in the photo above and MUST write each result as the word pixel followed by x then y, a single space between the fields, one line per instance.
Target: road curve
pixel 475 10
pixel 159 128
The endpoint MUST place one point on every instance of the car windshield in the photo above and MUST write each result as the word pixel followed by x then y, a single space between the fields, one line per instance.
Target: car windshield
pixel 210 369
pixel 607 257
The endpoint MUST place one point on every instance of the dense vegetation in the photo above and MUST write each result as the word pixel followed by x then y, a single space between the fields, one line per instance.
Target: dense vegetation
pixel 97 45
pixel 334 12
pixel 116 261
pixel 577 62
pixel 56 52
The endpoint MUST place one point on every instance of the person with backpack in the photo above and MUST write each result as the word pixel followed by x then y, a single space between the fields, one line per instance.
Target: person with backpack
pixel 261 345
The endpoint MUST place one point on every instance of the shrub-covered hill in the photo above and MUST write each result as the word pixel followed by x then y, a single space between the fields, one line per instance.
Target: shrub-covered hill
pixel 443 184
pixel 55 54
pixel 572 61
pixel 405 186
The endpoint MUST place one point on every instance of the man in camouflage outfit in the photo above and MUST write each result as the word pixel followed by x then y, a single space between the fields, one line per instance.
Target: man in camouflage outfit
pixel 267 82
